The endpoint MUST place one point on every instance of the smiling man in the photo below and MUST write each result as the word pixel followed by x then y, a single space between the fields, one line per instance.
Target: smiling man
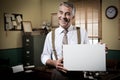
pixel 66 14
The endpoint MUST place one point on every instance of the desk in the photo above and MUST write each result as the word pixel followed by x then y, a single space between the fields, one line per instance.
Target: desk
pixel 42 73
pixel 45 74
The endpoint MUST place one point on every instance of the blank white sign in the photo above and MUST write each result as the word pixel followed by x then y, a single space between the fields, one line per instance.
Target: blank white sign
pixel 84 57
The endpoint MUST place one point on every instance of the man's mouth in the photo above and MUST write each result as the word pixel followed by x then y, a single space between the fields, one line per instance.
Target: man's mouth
pixel 65 19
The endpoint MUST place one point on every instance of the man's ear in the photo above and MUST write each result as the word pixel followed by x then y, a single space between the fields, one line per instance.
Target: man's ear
pixel 73 20
pixel 73 17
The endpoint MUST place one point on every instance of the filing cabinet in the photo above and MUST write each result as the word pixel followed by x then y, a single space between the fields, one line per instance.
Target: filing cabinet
pixel 28 50
pixel 32 49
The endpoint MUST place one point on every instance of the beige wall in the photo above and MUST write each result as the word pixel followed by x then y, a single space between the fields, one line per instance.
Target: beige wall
pixel 31 12
pixel 38 11
pixel 110 28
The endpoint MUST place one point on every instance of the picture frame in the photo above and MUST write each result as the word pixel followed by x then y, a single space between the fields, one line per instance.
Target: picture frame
pixel 27 26
pixel 54 20
pixel 12 22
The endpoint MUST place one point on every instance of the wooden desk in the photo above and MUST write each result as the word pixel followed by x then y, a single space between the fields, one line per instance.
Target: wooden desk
pixel 42 73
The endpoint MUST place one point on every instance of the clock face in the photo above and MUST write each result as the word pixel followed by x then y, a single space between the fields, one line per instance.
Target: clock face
pixel 111 12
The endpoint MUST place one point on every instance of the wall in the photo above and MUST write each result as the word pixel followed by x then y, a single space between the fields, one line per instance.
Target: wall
pixel 13 55
pixel 31 12
pixel 110 28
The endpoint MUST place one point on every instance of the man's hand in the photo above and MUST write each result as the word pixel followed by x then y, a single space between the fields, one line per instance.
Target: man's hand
pixel 59 65
pixel 106 48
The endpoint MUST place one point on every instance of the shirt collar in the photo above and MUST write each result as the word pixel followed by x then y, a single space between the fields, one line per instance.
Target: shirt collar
pixel 69 29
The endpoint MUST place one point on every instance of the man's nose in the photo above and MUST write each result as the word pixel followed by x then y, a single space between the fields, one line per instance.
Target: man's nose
pixel 63 15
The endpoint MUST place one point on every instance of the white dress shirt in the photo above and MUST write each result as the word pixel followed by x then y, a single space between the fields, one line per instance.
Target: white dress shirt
pixel 72 39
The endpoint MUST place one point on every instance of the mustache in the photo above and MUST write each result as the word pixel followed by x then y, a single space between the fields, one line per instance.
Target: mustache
pixel 66 20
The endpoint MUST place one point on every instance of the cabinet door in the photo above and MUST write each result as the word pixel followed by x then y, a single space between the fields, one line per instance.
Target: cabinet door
pixel 38 43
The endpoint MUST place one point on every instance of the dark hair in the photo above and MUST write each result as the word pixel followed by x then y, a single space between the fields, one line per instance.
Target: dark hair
pixel 69 4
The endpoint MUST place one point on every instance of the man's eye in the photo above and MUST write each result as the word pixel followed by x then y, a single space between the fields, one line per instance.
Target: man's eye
pixel 68 14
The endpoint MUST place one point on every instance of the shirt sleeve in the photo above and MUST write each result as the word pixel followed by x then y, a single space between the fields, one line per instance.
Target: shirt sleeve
pixel 46 54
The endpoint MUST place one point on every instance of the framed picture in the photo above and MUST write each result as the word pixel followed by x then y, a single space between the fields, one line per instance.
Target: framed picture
pixel 54 20
pixel 12 22
pixel 27 26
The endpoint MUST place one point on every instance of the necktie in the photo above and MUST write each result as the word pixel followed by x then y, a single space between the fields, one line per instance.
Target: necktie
pixel 65 40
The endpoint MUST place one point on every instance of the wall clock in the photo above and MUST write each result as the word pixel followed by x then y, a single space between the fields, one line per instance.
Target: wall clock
pixel 111 12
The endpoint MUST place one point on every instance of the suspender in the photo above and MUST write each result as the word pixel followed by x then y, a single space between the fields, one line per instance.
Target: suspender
pixel 78 35
pixel 53 40
pixel 53 44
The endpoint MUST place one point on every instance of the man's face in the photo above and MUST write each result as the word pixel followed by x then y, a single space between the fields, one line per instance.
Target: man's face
pixel 65 16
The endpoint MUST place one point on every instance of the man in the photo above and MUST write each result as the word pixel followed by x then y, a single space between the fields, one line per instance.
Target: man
pixel 66 14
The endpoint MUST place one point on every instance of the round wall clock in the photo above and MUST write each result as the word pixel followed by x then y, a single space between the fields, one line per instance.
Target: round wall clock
pixel 111 12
